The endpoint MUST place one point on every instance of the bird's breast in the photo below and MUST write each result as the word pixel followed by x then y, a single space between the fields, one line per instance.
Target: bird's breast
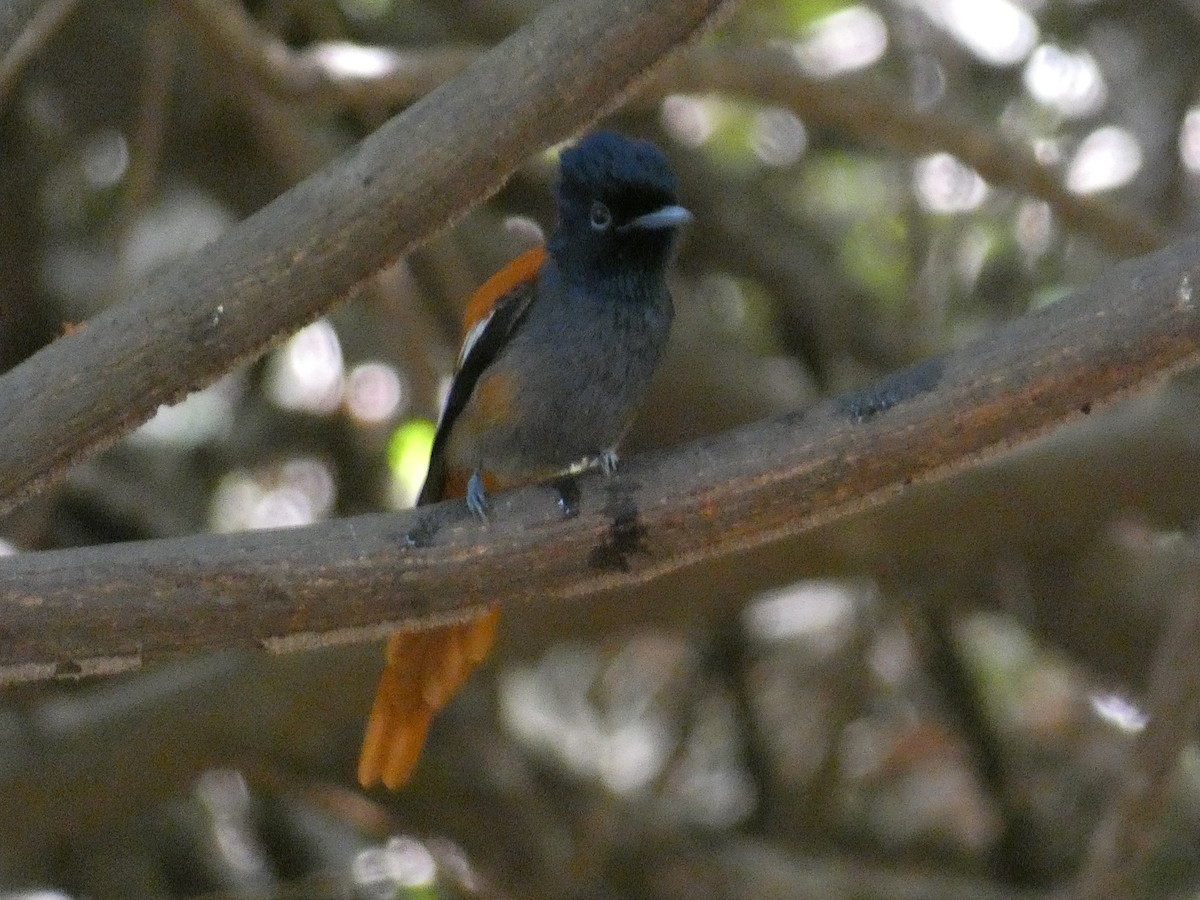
pixel 571 379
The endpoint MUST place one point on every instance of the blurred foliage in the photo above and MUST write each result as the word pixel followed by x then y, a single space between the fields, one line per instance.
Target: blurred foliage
pixel 792 724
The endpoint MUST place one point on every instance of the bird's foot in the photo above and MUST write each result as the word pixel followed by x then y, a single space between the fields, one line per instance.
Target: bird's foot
pixel 477 497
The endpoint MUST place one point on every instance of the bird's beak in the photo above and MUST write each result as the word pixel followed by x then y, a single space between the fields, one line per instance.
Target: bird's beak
pixel 667 217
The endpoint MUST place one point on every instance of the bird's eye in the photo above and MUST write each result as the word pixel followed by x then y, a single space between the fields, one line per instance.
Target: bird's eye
pixel 600 217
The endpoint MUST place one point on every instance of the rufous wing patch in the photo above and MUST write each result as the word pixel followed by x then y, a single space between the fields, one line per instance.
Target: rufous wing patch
pixel 524 268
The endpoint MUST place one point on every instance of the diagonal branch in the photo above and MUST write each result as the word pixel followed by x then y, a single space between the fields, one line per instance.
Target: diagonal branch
pixel 772 75
pixel 25 27
pixel 108 608
pixel 332 72
pixel 295 258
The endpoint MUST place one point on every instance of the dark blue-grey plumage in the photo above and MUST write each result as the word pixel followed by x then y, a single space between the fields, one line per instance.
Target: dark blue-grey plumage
pixel 581 340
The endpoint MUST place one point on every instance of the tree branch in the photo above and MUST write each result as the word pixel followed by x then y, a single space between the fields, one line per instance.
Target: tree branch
pixel 758 74
pixel 1131 827
pixel 15 18
pixel 332 73
pixel 771 75
pixel 295 258
pixel 113 607
pixel 25 27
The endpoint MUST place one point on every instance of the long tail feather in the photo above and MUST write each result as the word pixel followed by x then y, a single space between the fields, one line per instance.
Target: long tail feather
pixel 423 672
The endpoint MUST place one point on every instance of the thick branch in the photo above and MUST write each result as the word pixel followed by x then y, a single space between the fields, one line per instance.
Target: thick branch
pixel 112 607
pixel 295 258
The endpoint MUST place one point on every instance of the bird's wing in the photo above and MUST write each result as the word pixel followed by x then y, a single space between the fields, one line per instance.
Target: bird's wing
pixel 491 315
pixel 424 669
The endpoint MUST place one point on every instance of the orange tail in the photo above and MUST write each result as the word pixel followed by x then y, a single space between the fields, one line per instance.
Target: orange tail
pixel 423 672
pixel 425 669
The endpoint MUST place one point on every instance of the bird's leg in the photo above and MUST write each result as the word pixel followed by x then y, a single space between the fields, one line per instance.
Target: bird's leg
pixel 477 498
pixel 608 461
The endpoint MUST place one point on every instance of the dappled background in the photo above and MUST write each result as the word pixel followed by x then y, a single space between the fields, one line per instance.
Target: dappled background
pixel 935 699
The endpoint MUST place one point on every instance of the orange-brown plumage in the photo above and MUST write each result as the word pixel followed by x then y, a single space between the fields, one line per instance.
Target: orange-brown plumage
pixel 521 270
pixel 423 671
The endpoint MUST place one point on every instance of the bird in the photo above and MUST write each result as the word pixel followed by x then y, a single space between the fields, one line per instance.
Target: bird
pixel 557 353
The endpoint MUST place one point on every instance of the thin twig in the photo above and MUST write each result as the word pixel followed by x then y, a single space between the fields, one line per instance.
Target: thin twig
pixel 44 22
pixel 160 45
pixel 1017 857
pixel 1130 829
pixel 338 72
pixel 110 608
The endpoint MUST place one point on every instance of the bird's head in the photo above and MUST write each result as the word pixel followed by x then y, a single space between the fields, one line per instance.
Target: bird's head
pixel 617 210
